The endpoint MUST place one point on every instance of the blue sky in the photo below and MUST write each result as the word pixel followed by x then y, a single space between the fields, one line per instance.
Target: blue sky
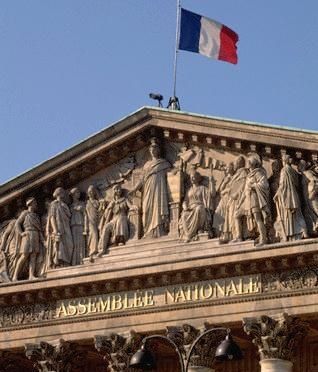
pixel 69 68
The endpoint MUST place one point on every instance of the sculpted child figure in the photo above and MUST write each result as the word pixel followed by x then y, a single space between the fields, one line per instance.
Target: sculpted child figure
pixel 115 225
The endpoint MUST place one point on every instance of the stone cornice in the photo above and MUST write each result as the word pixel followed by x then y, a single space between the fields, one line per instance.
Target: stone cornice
pixel 241 261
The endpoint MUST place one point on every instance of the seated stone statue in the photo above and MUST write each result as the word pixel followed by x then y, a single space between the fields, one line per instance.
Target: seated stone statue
pixel 114 226
pixel 196 210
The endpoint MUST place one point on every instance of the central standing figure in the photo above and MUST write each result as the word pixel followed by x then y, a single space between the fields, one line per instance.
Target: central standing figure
pixel 155 206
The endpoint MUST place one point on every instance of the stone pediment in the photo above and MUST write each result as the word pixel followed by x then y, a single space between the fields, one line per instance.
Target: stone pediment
pixel 179 176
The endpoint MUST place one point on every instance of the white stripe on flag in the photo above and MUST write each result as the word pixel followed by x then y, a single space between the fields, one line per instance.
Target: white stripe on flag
pixel 210 42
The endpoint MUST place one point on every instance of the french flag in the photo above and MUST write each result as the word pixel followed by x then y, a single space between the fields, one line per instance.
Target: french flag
pixel 210 38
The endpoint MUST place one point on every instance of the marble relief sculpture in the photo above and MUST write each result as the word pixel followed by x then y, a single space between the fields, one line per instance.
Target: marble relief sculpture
pixel 309 188
pixel 256 207
pixel 290 223
pixel 60 241
pixel 155 208
pixel 77 227
pixel 115 223
pixel 229 198
pixel 235 200
pixel 92 219
pixel 30 241
pixel 196 213
pixel 220 211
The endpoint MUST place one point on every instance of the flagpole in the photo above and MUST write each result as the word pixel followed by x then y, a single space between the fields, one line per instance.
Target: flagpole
pixel 174 102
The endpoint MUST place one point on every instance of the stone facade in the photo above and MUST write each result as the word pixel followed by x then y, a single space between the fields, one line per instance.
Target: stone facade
pixel 164 223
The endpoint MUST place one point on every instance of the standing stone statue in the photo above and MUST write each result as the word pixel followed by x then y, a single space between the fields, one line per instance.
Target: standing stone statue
pixel 30 240
pixel 92 218
pixel 60 241
pixel 290 223
pixel 115 227
pixel 309 188
pixel 196 213
pixel 235 199
pixel 223 191
pixel 256 203
pixel 77 226
pixel 155 206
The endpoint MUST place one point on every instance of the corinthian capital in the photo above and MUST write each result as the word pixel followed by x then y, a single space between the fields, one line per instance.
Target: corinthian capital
pixel 276 336
pixel 118 349
pixel 58 356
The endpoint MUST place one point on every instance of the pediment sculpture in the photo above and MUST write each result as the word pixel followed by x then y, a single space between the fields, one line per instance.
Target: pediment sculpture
pixel 169 189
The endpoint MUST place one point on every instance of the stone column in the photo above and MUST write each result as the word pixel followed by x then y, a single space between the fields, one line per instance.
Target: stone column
pixel 277 338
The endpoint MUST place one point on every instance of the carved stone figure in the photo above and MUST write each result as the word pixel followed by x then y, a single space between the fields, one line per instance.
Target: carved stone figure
pixel 92 221
pixel 290 223
pixel 196 214
pixel 29 242
pixel 77 227
pixel 256 205
pixel 235 199
pixel 60 241
pixel 155 207
pixel 114 226
pixel 223 192
pixel 309 187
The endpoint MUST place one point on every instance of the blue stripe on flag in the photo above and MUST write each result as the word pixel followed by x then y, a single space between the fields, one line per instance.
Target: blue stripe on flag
pixel 189 31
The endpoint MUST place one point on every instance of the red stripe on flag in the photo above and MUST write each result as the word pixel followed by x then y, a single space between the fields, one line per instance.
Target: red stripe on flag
pixel 228 39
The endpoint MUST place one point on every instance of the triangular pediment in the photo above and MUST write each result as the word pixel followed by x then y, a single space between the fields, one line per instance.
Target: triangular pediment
pixel 132 133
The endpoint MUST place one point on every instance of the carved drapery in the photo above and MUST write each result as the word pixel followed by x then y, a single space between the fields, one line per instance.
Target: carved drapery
pixel 276 337
pixel 187 191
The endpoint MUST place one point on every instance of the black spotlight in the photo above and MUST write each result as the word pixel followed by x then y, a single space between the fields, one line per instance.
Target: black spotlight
pixel 228 350
pixel 143 359
pixel 157 97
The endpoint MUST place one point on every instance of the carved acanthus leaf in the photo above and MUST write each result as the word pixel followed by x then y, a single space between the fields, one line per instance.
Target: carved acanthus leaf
pixel 60 357
pixel 275 337
pixel 118 349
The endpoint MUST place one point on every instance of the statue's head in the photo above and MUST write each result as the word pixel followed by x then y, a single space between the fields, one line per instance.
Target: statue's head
pixel 195 177
pixel 59 193
pixel 254 161
pixel 117 190
pixel 31 203
pixel 239 162
pixel 154 148
pixel 75 193
pixel 91 191
pixel 286 159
